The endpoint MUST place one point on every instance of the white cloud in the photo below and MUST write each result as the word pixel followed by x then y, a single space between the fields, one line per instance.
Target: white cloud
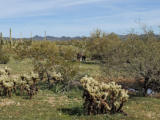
pixel 80 2
pixel 19 8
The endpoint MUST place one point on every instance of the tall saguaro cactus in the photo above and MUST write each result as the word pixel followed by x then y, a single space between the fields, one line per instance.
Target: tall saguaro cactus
pixel 10 35
pixel 1 37
pixel 31 37
pixel 45 35
pixel 21 38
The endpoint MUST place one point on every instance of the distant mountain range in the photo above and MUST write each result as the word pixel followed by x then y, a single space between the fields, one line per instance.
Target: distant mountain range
pixel 63 38
pixel 52 38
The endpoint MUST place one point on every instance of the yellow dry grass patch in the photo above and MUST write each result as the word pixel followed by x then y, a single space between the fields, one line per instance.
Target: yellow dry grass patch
pixel 7 102
pixel 60 100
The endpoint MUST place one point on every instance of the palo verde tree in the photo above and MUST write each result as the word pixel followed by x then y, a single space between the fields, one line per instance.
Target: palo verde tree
pixel 101 44
pixel 139 57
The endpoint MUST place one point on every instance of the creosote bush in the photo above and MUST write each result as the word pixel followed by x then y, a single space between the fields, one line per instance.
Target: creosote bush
pixel 4 58
pixel 101 98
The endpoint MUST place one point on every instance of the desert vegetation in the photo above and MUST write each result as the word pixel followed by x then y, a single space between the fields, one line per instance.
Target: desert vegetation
pixel 102 76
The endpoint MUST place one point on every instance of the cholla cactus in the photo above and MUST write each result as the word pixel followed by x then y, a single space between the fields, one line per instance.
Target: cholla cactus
pixel 101 98
pixel 29 82
pixel 34 76
pixel 53 77
pixel 2 71
pixel 56 76
pixel 6 84
pixel 5 71
pixel 10 83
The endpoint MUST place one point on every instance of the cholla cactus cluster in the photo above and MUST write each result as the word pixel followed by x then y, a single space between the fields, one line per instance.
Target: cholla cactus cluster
pixel 12 83
pixel 101 98
pixel 29 83
pixel 48 74
pixel 6 84
pixel 54 77
pixel 5 71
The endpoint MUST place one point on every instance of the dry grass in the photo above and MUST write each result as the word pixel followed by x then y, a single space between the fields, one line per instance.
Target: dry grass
pixel 47 105
pixel 7 102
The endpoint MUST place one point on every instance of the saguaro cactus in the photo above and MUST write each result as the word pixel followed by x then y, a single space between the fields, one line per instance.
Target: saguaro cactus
pixel 1 37
pixel 10 35
pixel 21 39
pixel 31 37
pixel 45 35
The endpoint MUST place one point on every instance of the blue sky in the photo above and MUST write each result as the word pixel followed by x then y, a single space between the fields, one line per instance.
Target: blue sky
pixel 77 17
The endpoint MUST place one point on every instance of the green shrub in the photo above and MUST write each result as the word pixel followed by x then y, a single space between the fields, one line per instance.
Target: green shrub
pixel 4 59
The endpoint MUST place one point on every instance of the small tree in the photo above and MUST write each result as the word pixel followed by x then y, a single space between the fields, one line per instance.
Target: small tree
pixel 148 67
pixel 138 56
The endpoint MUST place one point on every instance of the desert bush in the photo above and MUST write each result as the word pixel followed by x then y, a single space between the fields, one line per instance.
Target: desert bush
pixel 47 72
pixel 68 70
pixel 102 45
pixel 43 50
pixel 101 98
pixel 144 62
pixel 68 52
pixel 137 57
pixel 21 50
pixel 4 58
pixel 62 72
pixel 38 50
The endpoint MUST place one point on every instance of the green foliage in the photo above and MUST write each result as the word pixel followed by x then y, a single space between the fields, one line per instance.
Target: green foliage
pixel 47 73
pixel 147 66
pixel 101 98
pixel 4 58
pixel 54 73
pixel 100 45
pixel 67 69
pixel 39 50
pixel 43 50
pixel 138 57
pixel 21 49
pixel 68 52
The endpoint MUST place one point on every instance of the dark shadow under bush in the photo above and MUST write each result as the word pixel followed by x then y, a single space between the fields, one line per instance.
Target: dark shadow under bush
pixel 72 111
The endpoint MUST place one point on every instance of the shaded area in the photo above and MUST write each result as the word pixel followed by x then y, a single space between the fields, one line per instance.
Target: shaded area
pixel 78 111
